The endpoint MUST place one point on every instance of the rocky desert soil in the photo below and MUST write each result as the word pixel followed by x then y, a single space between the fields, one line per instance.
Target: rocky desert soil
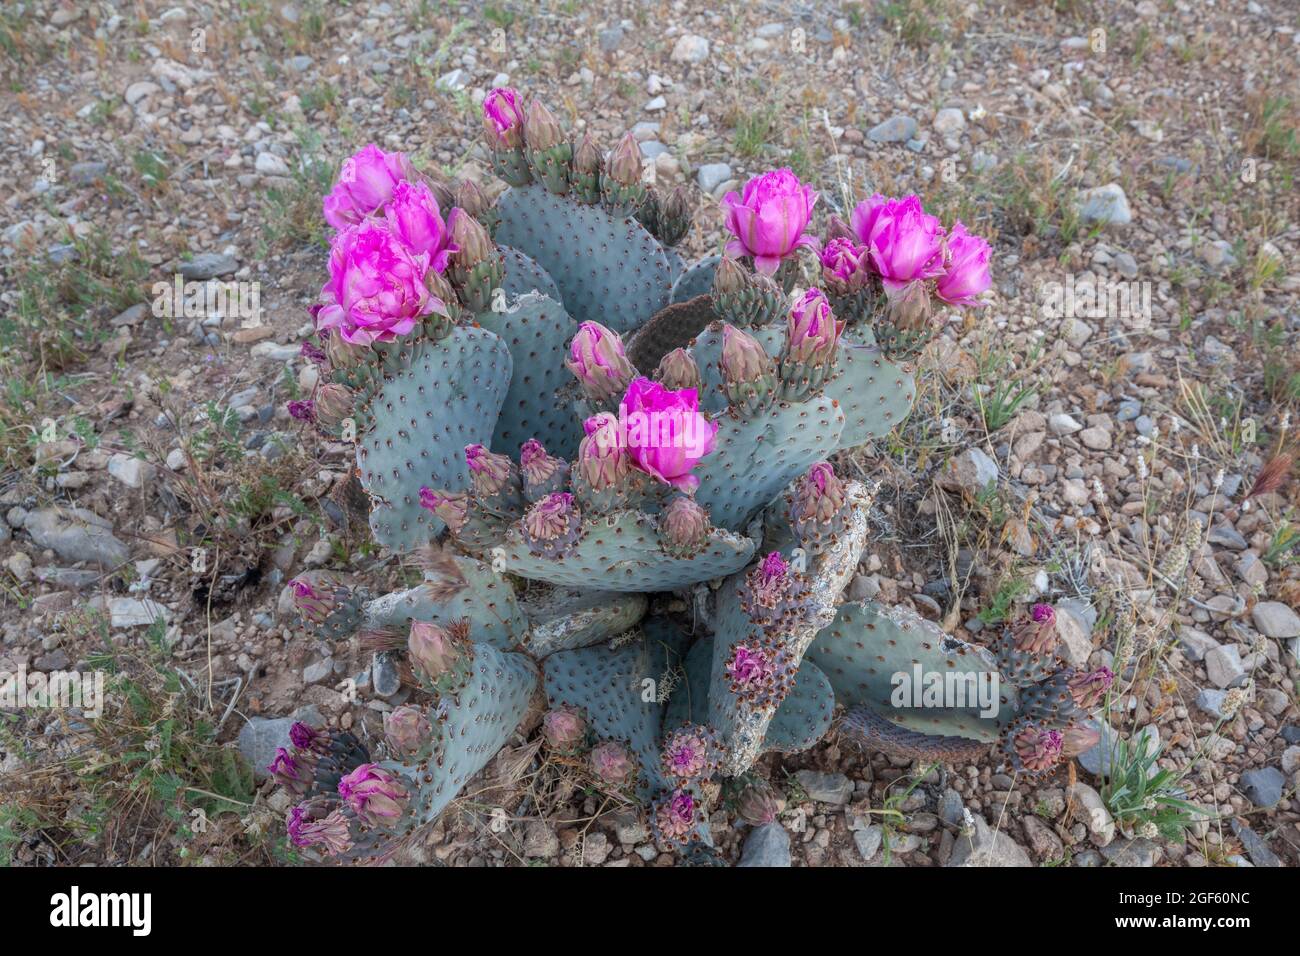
pixel 1130 459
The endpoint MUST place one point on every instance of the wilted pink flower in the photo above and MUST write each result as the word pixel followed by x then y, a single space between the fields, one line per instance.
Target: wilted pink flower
pixel 310 826
pixel 564 729
pixel 451 506
pixel 503 116
pixel 748 666
pixel 552 519
pixel 414 217
pixel 302 410
pixel 294 775
pixel 669 436
pixel 1089 688
pixel 689 752
pixel 373 793
pixel 611 762
pixel 906 244
pixel 596 358
pixel 966 267
pixel 820 494
pixel 1037 632
pixel 489 474
pixel 376 289
pixel 1038 749
pixel 312 604
pixel 675 815
pixel 813 329
pixel 769 220
pixel 365 183
pixel 304 736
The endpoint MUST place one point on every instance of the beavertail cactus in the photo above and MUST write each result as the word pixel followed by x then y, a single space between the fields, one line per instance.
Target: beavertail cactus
pixel 543 395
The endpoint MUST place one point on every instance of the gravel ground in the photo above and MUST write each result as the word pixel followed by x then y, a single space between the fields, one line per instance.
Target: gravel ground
pixel 143 141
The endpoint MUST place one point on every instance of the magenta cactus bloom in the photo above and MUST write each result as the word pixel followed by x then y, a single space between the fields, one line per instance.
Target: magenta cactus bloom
pixel 565 730
pixel 313 604
pixel 813 329
pixel 503 117
pixel 675 815
pixel 906 244
pixel 309 826
pixel 414 217
pixel 667 435
pixel 1037 749
pixel 613 763
pixel 366 183
pixel 597 360
pixel 769 219
pixel 966 268
pixel 1089 688
pixel 373 793
pixel 376 289
pixel 820 494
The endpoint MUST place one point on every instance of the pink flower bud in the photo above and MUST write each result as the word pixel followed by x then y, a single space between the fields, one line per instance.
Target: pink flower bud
pixel 314 603
pixel 489 474
pixel 436 651
pixel 407 730
pixel 1035 634
pixel 472 242
pixel 602 455
pixel 503 118
pixel 743 358
pixel 624 164
pixel 451 506
pixel 596 358
pixel 294 774
pixel 684 526
pixel 334 403
pixel 1088 689
pixel 844 266
pixel 756 802
pixel 812 330
pixel 565 730
pixel 612 763
pixel 541 129
pixel 677 370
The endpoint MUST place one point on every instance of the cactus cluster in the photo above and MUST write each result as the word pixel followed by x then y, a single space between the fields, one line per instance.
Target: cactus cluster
pixel 541 390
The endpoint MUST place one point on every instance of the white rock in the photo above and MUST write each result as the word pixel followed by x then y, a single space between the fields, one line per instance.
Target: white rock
pixel 948 121
pixel 1105 204
pixel 129 470
pixel 690 49
pixel 131 612
pixel 269 164
pixel 175 459
pixel 1096 438
pixel 1223 664
pixel 1062 424
pixel 1275 619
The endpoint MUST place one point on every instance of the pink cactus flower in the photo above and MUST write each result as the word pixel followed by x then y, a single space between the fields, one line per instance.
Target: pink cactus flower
pixel 667 436
pixel 748 666
pixel 675 815
pixel 845 265
pixel 376 289
pixel 414 217
pixel 365 184
pixel 769 219
pixel 906 244
pixel 597 360
pixel 373 793
pixel 611 762
pixel 966 270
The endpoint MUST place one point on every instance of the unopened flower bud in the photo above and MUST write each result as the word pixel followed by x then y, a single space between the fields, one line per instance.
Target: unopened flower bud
pixel 451 506
pixel 612 763
pixel 474 242
pixel 565 729
pixel 541 129
pixel 597 359
pixel 334 403
pixel 678 370
pixel 624 164
pixel 438 654
pixel 407 730
pixel 683 527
